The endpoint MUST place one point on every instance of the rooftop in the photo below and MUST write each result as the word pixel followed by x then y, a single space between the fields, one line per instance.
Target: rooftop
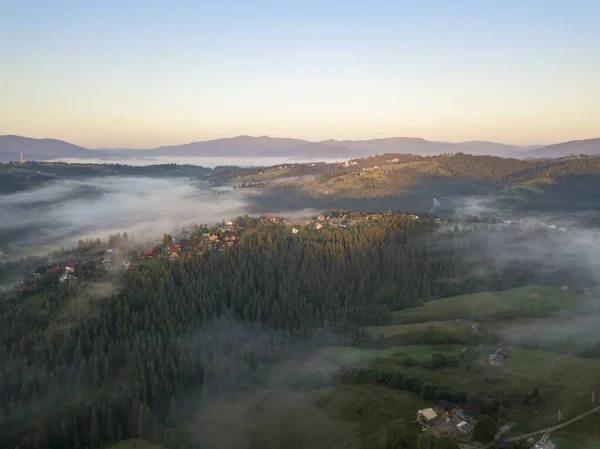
pixel 428 413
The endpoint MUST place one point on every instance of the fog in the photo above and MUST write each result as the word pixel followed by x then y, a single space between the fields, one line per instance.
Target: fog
pixel 204 161
pixel 277 396
pixel 59 213
pixel 538 248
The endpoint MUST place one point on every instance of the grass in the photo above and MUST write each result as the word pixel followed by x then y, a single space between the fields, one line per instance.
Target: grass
pixel 531 301
pixel 134 444
pixel 402 329
pixel 351 356
pixel 570 440
pixel 579 329
pixel 534 313
pixel 385 179
pixel 565 382
pixel 345 417
pixel 268 175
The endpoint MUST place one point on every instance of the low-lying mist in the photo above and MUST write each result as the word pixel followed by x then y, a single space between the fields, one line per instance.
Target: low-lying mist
pixel 58 214
pixel 204 161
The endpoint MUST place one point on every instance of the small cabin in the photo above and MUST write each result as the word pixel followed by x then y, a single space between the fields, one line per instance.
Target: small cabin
pixel 427 416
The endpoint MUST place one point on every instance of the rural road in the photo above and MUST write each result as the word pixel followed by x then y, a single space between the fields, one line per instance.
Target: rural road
pixel 547 429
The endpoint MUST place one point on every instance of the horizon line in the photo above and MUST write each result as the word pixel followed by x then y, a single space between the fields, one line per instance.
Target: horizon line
pixel 517 146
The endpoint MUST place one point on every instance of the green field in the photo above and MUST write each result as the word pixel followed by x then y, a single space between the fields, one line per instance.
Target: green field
pixel 345 417
pixel 525 302
pixel 351 356
pixel 403 329
pixel 268 175
pixel 543 315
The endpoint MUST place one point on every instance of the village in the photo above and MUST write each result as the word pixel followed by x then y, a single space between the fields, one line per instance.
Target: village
pixel 120 253
pixel 444 420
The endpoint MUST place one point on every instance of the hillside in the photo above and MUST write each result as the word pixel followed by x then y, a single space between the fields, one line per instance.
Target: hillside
pixel 564 149
pixel 12 146
pixel 18 177
pixel 404 182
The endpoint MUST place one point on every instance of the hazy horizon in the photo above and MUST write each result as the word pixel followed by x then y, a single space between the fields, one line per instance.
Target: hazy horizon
pixel 235 136
pixel 512 72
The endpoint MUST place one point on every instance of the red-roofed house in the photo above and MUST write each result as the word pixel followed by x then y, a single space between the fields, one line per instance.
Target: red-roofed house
pixel 24 286
pixel 70 266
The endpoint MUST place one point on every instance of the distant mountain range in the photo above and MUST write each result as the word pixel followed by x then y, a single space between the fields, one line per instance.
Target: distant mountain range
pixel 246 146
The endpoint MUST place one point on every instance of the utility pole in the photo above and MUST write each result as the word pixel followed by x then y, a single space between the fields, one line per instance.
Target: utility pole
pixel 593 396
pixel 560 417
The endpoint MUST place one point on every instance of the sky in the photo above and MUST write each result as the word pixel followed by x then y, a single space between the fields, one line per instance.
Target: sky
pixel 141 74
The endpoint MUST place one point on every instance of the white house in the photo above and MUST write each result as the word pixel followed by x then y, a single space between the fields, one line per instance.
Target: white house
pixel 464 427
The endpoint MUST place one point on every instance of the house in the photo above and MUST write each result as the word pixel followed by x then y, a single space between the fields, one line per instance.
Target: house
pixel 427 416
pixel 318 226
pixel 147 253
pixel 547 444
pixel 229 223
pixel 24 286
pixel 213 237
pixel 67 277
pixel 464 427
pixel 55 269
pixel 70 266
pixel 174 249
pixel 498 358
pixel 294 231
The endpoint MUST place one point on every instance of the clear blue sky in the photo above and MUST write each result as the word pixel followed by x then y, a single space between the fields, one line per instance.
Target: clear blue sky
pixel 147 73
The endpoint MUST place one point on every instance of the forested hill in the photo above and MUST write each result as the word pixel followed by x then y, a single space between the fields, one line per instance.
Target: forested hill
pixel 404 168
pixel 81 369
pixel 88 363
pixel 390 180
pixel 83 365
pixel 15 177
pixel 377 175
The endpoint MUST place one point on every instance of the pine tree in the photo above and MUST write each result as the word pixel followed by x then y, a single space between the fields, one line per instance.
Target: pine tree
pixel 145 430
pixel 95 436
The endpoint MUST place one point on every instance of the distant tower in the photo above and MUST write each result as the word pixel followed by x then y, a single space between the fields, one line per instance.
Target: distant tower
pixel 21 160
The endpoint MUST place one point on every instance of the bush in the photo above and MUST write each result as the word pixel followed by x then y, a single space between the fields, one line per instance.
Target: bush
pixel 485 429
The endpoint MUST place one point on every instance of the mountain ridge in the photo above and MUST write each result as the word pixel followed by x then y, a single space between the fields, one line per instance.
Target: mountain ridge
pixel 11 146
